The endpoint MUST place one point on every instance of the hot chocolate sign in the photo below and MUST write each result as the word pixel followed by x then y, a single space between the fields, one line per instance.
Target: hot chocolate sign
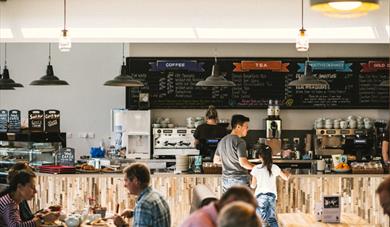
pixel 35 120
pixel 52 121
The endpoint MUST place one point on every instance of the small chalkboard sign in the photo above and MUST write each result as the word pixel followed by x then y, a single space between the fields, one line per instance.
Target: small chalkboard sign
pixel 52 121
pixel 66 156
pixel 14 121
pixel 35 120
pixel 3 120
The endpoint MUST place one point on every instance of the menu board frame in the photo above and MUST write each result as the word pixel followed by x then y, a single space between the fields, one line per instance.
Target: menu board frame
pixel 170 82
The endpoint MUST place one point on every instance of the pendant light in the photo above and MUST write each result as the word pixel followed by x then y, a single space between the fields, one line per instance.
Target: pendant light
pixel 308 79
pixel 302 43
pixel 6 81
pixel 345 8
pixel 124 80
pixel 64 43
pixel 49 79
pixel 215 79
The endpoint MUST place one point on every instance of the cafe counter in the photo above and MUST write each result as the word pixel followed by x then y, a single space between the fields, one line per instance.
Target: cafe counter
pixel 299 194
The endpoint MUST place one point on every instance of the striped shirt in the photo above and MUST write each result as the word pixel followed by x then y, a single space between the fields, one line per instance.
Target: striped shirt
pixel 151 210
pixel 9 213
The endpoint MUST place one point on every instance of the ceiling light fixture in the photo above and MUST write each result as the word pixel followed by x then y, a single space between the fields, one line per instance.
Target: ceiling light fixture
pixel 6 81
pixel 215 79
pixel 64 43
pixel 308 80
pixel 49 79
pixel 302 43
pixel 124 80
pixel 345 8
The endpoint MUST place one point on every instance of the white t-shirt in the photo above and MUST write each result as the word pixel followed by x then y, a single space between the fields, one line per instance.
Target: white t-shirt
pixel 265 182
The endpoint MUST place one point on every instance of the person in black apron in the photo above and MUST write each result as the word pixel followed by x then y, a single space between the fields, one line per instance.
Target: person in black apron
pixel 208 135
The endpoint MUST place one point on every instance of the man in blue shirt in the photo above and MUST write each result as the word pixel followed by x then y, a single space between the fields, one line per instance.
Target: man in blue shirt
pixel 151 209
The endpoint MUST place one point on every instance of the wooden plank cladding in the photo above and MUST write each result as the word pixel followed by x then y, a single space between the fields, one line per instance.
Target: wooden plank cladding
pixel 299 194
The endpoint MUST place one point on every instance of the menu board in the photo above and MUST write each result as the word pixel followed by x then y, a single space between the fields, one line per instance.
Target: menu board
pixel 66 156
pixel 52 121
pixel 171 83
pixel 35 120
pixel 3 120
pixel 14 121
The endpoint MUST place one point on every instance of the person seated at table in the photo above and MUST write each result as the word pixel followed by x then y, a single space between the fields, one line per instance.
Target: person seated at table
pixel 383 192
pixel 238 214
pixel 151 209
pixel 207 215
pixel 24 208
pixel 21 187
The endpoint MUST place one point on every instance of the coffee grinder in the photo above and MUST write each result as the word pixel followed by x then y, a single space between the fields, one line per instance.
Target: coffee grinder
pixel 273 127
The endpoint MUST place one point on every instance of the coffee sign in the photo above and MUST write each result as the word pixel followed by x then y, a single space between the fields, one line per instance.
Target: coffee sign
pixel 14 121
pixel 35 120
pixel 66 156
pixel 3 120
pixel 52 121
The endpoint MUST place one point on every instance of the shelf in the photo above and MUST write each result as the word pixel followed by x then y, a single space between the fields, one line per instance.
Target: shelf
pixel 10 150
pixel 39 137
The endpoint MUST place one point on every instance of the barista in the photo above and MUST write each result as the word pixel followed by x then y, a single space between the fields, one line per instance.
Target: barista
pixel 207 135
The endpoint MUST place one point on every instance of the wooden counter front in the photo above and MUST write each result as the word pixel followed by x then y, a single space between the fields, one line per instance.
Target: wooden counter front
pixel 297 195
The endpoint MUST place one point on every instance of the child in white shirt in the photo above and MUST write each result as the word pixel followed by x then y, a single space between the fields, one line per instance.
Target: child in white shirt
pixel 264 180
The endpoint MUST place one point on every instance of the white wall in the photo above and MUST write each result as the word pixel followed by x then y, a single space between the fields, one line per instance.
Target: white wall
pixel 85 104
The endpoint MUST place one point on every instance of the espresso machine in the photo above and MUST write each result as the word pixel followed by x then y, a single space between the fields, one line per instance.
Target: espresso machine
pixel 173 141
pixel 361 144
pixel 328 142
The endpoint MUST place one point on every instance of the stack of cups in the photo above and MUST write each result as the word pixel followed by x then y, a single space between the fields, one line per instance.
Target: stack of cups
pixel 336 123
pixel 367 123
pixel 182 163
pixel 190 122
pixel 328 123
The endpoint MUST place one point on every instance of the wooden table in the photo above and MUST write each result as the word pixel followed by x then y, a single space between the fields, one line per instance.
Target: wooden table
pixel 302 220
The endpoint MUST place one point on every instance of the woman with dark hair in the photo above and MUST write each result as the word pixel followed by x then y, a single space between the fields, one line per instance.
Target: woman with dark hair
pixel 264 180
pixel 24 208
pixel 21 188
pixel 208 135
pixel 385 145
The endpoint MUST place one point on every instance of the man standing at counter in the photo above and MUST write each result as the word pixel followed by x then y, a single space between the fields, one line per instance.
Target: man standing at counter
pixel 231 153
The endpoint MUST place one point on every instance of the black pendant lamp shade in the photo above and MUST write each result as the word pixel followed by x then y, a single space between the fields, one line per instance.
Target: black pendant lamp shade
pixel 5 87
pixel 124 80
pixel 308 79
pixel 215 79
pixel 49 79
pixel 7 82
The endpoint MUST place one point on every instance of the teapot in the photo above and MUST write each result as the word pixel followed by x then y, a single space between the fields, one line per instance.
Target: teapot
pixel 73 220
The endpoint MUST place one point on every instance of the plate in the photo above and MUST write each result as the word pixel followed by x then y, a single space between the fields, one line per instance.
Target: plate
pixel 115 171
pixel 56 224
pixel 341 170
pixel 88 171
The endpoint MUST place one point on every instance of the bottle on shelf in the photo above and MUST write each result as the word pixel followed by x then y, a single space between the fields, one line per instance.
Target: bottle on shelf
pixel 276 110
pixel 270 110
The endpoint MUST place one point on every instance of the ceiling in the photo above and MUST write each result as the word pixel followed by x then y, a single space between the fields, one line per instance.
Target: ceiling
pixel 184 21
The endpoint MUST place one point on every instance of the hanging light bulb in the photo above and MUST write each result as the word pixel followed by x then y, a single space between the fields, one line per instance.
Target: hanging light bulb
pixel 345 6
pixel 64 43
pixel 302 43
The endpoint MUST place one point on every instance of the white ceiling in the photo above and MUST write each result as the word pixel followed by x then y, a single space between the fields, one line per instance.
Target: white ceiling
pixel 185 21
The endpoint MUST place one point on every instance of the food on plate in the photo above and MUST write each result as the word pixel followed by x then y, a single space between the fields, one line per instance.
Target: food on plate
pixel 87 167
pixel 99 222
pixel 342 165
pixel 55 208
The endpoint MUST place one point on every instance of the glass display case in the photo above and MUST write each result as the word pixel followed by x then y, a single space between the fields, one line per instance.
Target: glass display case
pixel 35 148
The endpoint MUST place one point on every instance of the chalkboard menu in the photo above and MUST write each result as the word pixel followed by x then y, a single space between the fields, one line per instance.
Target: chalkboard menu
pixel 52 121
pixel 3 120
pixel 170 83
pixel 35 120
pixel 14 121
pixel 66 156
